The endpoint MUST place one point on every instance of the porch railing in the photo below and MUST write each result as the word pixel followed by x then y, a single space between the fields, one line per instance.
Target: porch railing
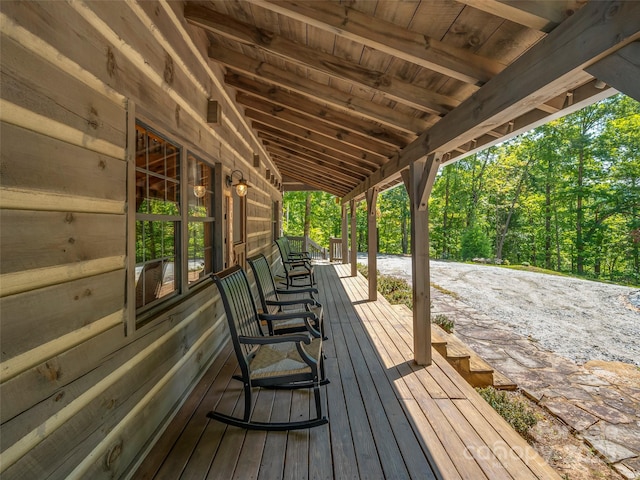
pixel 335 249
pixel 316 251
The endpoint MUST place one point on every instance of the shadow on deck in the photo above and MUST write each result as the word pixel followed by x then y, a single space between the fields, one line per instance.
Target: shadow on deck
pixel 388 417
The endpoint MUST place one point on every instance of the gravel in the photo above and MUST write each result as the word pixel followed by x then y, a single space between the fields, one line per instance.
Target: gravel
pixel 579 319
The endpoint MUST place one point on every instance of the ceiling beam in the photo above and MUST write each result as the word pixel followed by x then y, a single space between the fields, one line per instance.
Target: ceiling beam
pixel 392 88
pixel 331 165
pixel 319 92
pixel 543 16
pixel 553 65
pixel 352 168
pixel 621 70
pixel 312 115
pixel 391 39
pixel 355 140
pixel 312 167
pixel 312 180
pixel 334 150
pixel 317 109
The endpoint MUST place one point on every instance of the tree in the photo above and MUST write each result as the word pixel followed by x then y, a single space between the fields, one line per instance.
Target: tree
pixel 475 243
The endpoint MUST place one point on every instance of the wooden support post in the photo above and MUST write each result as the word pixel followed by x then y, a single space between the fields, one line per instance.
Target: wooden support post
pixel 345 235
pixel 219 212
pixel 419 181
pixel 372 245
pixel 354 240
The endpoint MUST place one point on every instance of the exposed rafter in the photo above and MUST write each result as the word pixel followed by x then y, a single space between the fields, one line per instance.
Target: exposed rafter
pixel 413 47
pixel 391 87
pixel 353 94
pixel 550 67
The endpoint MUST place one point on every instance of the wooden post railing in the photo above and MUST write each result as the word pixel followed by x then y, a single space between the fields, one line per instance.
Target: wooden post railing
pixel 316 251
pixel 335 249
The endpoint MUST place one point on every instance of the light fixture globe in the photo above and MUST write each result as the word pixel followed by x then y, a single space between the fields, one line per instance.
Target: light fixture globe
pixel 241 187
pixel 199 190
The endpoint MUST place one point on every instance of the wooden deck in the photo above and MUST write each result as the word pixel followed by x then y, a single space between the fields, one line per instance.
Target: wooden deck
pixel 388 418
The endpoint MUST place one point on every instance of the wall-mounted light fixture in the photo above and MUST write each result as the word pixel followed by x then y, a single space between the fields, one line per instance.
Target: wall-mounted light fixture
pixel 241 186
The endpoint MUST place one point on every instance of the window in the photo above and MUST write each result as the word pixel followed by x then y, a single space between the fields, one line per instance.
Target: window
pixel 174 220
pixel 157 217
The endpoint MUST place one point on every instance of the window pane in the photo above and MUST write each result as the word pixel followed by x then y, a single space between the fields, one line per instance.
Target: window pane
pixel 200 250
pixel 155 261
pixel 199 193
pixel 157 174
pixel 158 223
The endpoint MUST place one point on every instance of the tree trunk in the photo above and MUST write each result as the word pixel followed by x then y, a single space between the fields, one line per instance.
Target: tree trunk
pixel 476 188
pixel 445 224
pixel 557 229
pixel 547 219
pixel 516 195
pixel 307 221
pixel 580 216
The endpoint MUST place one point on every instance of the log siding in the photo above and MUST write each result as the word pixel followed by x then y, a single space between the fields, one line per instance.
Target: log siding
pixel 83 393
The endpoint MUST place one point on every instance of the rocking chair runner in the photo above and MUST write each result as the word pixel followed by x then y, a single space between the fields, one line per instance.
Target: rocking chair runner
pixel 283 361
pixel 273 305
pixel 294 267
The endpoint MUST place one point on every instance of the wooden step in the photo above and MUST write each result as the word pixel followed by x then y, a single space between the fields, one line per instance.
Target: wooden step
pixel 502 382
pixel 467 362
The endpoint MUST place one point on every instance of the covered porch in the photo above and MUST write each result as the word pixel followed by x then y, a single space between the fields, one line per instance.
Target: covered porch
pixel 388 417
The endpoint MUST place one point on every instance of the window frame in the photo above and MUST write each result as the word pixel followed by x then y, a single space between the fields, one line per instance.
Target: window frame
pixel 136 318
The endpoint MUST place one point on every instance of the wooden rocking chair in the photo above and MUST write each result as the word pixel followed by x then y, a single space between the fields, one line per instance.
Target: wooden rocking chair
pixel 274 306
pixel 283 361
pixel 295 267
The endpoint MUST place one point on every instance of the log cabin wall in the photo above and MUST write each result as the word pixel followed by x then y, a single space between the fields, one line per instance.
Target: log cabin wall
pixel 84 391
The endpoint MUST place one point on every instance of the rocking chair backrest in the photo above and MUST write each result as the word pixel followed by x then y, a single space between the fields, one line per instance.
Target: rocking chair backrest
pixel 285 248
pixel 240 309
pixel 264 279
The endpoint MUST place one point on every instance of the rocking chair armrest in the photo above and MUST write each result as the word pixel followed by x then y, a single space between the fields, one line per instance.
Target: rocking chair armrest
pixel 300 255
pixel 297 263
pixel 288 316
pixel 311 290
pixel 284 338
pixel 306 316
pixel 300 301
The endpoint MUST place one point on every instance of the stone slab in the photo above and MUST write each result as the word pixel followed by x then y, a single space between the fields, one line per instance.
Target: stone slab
pixel 605 412
pixel 575 417
pixel 627 434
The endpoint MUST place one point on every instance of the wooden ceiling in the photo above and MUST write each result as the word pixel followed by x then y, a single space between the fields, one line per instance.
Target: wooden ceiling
pixel 344 95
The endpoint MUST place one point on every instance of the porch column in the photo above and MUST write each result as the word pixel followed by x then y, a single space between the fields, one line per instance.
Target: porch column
pixel 372 234
pixel 218 212
pixel 354 240
pixel 345 235
pixel 419 182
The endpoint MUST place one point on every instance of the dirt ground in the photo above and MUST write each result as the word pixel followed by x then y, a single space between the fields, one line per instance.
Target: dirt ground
pixel 579 319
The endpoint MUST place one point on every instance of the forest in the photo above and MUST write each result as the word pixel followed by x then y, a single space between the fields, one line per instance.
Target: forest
pixel 564 197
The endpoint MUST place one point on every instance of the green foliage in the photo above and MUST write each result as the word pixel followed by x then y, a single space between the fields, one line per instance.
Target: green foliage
pixel 513 409
pixel 326 216
pixel 396 290
pixel 564 197
pixel 475 243
pixel 363 269
pixel 443 322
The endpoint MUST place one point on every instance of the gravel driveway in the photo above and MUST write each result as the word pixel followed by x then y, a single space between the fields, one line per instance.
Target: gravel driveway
pixel 579 319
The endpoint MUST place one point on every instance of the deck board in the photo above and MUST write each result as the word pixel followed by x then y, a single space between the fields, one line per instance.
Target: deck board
pixel 388 417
